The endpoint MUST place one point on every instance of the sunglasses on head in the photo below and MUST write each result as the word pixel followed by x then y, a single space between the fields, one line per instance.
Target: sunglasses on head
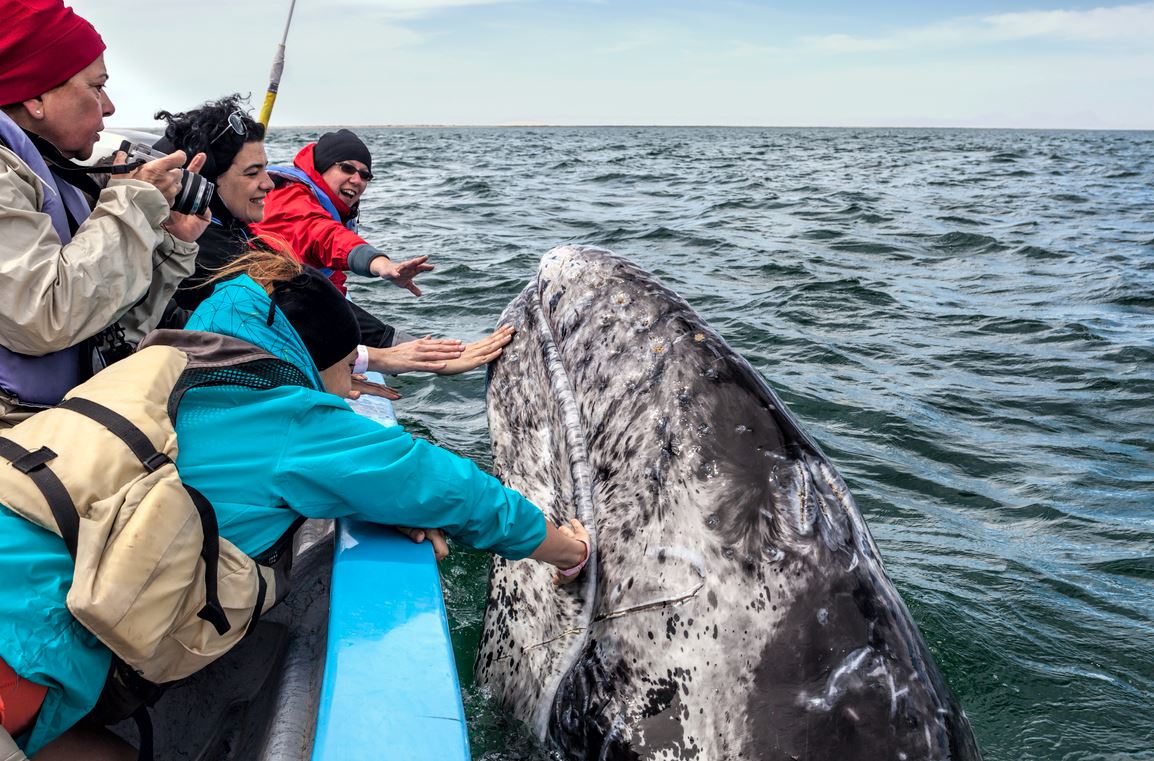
pixel 348 168
pixel 235 123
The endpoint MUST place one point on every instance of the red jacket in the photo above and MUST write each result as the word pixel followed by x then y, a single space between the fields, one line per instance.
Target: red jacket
pixel 293 214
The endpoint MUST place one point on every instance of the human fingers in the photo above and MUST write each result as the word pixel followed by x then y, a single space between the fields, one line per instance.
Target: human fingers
pixel 166 180
pixel 187 227
pixel 436 354
pixel 425 342
pixel 488 343
pixel 416 534
pixel 450 343
pixel 432 350
pixel 197 162
pixel 411 287
pixel 361 386
pixel 579 531
pixel 485 358
pixel 174 160
pixel 440 546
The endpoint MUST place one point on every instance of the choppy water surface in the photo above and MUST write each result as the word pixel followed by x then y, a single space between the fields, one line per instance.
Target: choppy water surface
pixel 963 319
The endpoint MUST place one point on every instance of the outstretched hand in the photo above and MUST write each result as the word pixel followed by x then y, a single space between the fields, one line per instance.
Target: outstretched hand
pixel 480 352
pixel 424 354
pixel 401 273
pixel 362 385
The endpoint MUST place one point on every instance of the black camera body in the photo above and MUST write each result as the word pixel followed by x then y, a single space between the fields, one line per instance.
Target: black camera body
pixel 195 191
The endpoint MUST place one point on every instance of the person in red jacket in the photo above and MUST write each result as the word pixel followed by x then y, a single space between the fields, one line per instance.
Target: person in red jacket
pixel 314 208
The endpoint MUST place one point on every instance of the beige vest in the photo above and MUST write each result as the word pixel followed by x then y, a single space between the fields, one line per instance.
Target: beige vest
pixel 152 581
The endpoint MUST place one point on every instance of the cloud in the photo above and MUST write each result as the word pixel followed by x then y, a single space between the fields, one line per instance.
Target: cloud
pixel 403 10
pixel 1119 25
pixel 1123 23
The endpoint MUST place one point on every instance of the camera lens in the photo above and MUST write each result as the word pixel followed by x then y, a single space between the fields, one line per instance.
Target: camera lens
pixel 195 194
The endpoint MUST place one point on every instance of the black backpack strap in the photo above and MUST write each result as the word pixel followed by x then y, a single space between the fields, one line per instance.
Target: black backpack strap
pixel 35 466
pixel 132 436
pixel 143 720
pixel 258 608
pixel 151 459
pixel 127 695
pixel 210 551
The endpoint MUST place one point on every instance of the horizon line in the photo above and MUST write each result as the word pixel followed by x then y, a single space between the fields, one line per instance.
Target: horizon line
pixel 562 125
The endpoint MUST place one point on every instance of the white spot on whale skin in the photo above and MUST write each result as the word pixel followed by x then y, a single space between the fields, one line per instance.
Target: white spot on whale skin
pixel 741 429
pixel 822 616
pixel 838 682
pixel 691 556
pixel 620 298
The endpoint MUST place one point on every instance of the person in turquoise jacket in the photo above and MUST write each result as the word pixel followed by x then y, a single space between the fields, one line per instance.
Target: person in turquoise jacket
pixel 264 458
pixel 254 453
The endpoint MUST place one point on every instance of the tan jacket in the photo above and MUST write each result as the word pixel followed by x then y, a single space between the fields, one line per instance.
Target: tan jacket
pixel 120 265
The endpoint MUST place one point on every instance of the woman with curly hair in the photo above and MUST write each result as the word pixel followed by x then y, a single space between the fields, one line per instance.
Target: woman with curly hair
pixel 234 144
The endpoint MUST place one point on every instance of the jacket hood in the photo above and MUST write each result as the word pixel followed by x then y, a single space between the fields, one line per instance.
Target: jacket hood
pixel 240 308
pixel 305 162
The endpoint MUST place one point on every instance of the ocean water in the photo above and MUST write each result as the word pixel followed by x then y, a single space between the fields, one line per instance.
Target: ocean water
pixel 963 319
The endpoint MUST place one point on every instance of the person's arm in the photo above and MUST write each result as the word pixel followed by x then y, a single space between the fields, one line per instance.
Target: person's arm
pixel 293 214
pixel 55 295
pixel 336 463
pixel 173 261
pixel 566 546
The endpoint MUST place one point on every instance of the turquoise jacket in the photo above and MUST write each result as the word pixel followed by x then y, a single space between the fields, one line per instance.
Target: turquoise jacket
pixel 263 458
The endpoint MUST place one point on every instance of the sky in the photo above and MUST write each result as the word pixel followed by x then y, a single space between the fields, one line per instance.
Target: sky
pixel 1062 64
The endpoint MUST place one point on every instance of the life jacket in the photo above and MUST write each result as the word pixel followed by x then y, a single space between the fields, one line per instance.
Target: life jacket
pixel 153 580
pixel 284 174
pixel 42 381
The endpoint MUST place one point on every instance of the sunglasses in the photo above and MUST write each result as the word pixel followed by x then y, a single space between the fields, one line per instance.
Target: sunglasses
pixel 235 123
pixel 348 168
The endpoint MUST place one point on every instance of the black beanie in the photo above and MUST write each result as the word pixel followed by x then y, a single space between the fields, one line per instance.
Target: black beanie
pixel 341 145
pixel 320 314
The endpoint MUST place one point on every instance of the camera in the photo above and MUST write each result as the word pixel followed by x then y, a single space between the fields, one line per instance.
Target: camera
pixel 195 191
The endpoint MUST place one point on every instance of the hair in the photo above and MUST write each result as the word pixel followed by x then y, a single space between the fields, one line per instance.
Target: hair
pixel 270 262
pixel 204 129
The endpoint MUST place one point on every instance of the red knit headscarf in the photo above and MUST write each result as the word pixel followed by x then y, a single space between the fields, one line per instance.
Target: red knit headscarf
pixel 42 45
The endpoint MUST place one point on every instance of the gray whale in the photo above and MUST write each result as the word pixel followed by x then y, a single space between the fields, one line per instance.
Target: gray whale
pixel 735 606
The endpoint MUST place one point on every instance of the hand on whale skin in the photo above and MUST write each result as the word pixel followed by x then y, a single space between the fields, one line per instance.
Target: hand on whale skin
pixel 561 549
pixel 480 352
pixel 426 354
pixel 434 535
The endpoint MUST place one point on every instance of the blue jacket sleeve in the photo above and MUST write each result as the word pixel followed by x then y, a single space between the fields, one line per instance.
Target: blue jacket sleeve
pixel 335 463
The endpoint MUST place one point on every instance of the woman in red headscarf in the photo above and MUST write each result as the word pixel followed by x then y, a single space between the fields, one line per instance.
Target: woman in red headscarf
pixel 83 266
